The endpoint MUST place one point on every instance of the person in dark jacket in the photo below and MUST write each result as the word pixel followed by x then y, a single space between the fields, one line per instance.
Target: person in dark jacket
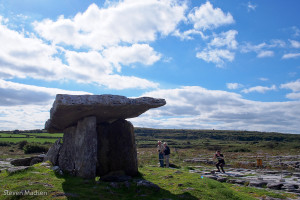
pixel 221 161
pixel 166 154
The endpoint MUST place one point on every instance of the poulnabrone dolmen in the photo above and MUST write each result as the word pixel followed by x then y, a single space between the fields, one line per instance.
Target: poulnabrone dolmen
pixel 97 140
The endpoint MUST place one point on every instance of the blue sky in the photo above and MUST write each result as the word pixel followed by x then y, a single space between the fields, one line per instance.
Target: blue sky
pixel 231 65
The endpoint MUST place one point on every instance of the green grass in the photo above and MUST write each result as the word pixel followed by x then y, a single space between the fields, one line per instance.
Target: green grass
pixel 8 135
pixel 175 186
pixel 56 135
pixel 36 140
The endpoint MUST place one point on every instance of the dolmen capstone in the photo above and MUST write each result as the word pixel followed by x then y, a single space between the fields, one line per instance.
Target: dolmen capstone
pixel 97 140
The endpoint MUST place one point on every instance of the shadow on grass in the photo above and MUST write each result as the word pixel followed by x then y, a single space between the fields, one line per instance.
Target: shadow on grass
pixel 78 188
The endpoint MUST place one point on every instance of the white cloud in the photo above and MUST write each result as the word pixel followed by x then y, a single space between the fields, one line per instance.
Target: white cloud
pixel 16 94
pixel 22 56
pixel 296 31
pixel 186 35
pixel 141 53
pixel 207 17
pixel 251 6
pixel 247 47
pixel 217 56
pixel 295 44
pixel 128 21
pixel 290 55
pixel 226 39
pixel 233 86
pixel 25 117
pixel 263 79
pixel 294 95
pixel 27 106
pixel 277 43
pixel 30 57
pixel 197 107
pixel 264 54
pixel 119 82
pixel 294 86
pixel 260 89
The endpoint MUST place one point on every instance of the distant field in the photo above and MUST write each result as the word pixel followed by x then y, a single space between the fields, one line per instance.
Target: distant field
pixel 30 137
pixel 225 140
pixel 9 135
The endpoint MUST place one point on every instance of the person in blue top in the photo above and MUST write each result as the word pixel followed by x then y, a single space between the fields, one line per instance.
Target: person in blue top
pixel 221 161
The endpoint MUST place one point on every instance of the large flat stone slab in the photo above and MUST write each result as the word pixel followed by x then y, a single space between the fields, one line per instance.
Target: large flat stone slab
pixel 68 109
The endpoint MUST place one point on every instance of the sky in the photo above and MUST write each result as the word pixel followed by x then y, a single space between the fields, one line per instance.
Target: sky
pixel 229 65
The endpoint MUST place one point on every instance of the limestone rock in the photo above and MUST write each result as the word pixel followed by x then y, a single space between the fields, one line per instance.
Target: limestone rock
pixel 52 154
pixel 13 170
pixel 86 148
pixel 78 153
pixel 274 186
pixel 21 161
pixel 117 149
pixel 258 183
pixel 36 160
pixel 236 181
pixel 66 159
pixel 148 184
pixel 26 161
pixel 68 109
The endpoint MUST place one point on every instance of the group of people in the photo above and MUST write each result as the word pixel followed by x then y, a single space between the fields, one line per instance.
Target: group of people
pixel 163 153
pixel 164 156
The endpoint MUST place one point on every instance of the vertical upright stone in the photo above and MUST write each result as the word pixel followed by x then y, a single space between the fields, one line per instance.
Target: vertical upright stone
pixel 116 149
pixel 86 147
pixel 78 154
pixel 66 159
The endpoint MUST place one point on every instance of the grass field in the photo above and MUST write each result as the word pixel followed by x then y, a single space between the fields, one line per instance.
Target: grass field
pixel 185 144
pixel 173 185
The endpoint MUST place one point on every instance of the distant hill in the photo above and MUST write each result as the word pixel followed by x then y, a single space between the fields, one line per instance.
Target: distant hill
pixel 214 139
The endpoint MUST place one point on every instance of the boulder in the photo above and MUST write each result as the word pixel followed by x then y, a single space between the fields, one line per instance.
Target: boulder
pixel 68 109
pixel 36 160
pixel 116 149
pixel 52 154
pixel 147 184
pixel 258 183
pixel 222 179
pixel 236 181
pixel 13 170
pixel 26 161
pixel 290 187
pixel 274 186
pixel 21 161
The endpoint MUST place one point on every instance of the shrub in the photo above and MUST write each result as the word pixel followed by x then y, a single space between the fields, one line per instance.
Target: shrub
pixel 34 148
pixel 21 144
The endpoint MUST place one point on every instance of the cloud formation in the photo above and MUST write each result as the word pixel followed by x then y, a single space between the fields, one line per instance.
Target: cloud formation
pixel 233 86
pixel 208 17
pixel 259 89
pixel 129 22
pixel 291 55
pixel 197 107
pixel 295 87
pixel 16 94
pixel 30 57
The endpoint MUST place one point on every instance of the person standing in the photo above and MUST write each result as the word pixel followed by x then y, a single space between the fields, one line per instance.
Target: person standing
pixel 221 161
pixel 166 154
pixel 160 149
